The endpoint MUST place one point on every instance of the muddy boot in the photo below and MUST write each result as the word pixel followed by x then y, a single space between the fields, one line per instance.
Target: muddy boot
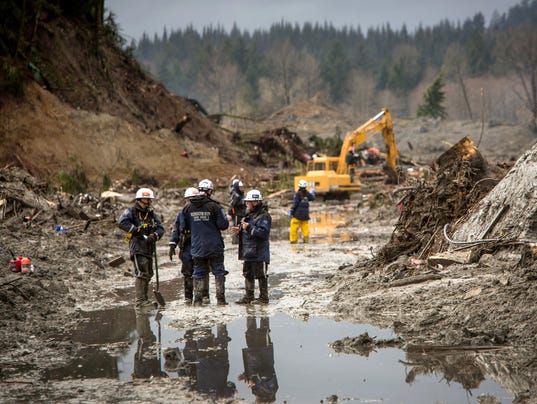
pixel 141 302
pixel 206 299
pixel 198 292
pixel 189 289
pixel 248 292
pixel 146 292
pixel 220 290
pixel 263 291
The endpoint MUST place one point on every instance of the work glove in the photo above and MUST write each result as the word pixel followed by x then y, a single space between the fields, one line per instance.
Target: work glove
pixel 172 250
pixel 140 230
pixel 290 213
pixel 152 238
pixel 312 192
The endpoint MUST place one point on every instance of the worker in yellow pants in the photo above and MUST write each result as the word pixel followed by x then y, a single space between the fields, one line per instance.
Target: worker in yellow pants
pixel 303 225
pixel 300 213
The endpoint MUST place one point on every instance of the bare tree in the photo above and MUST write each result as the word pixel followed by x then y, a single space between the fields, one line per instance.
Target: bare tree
pixel 518 50
pixel 219 82
pixel 456 67
pixel 310 72
pixel 284 61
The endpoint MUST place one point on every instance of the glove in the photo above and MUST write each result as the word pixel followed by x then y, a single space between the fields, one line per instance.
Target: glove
pixel 140 230
pixel 152 238
pixel 291 213
pixel 312 192
pixel 172 250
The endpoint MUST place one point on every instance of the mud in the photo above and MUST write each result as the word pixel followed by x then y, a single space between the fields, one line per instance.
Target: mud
pixel 473 307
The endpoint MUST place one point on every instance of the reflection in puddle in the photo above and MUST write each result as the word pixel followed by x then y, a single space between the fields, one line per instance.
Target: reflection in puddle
pixel 328 227
pixel 277 358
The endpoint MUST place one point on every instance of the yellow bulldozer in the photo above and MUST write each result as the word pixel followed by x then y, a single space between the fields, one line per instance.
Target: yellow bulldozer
pixel 335 177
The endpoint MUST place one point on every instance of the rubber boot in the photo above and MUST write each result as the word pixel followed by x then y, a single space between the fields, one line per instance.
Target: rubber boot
pixel 263 291
pixel 206 299
pixel 248 292
pixel 198 292
pixel 146 292
pixel 141 286
pixel 189 289
pixel 220 282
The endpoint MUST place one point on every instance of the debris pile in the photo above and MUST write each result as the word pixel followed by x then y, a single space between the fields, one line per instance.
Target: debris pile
pixel 462 178
pixel 274 147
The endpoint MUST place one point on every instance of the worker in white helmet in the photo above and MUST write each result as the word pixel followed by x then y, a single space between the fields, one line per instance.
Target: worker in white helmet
pixel 144 229
pixel 300 213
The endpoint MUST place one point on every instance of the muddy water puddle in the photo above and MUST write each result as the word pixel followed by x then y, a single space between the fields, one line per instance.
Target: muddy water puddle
pixel 324 226
pixel 273 358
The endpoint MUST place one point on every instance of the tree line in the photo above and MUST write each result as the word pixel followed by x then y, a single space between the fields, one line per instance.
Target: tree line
pixel 256 73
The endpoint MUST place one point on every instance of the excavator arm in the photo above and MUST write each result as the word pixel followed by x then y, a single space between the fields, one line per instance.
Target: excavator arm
pixel 380 122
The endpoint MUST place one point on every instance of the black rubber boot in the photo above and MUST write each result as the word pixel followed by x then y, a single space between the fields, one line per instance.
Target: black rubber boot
pixel 248 292
pixel 198 292
pixel 189 289
pixel 263 291
pixel 206 298
pixel 141 301
pixel 220 282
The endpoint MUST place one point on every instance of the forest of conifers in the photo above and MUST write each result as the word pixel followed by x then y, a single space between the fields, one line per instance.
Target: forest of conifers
pixel 259 72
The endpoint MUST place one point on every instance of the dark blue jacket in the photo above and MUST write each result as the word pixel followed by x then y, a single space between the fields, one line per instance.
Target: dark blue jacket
pixel 139 223
pixel 254 243
pixel 181 236
pixel 301 204
pixel 205 219
pixel 237 207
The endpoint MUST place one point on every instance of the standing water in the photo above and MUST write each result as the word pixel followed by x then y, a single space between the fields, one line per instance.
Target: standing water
pixel 276 358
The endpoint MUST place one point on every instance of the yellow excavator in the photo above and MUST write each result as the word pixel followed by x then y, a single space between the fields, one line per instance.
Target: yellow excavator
pixel 332 177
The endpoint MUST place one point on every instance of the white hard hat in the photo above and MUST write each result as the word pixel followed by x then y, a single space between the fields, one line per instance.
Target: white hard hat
pixel 253 195
pixel 235 181
pixel 205 185
pixel 302 184
pixel 189 192
pixel 241 184
pixel 144 193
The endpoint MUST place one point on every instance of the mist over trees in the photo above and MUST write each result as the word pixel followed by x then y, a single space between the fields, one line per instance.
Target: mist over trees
pixel 257 73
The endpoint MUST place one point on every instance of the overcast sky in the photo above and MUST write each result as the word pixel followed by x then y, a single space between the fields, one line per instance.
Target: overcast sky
pixel 151 16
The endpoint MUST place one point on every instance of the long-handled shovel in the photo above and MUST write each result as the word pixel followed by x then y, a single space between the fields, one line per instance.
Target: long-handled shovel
pixel 157 293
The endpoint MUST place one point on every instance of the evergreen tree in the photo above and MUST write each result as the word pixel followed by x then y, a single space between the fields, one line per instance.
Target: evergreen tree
pixel 432 100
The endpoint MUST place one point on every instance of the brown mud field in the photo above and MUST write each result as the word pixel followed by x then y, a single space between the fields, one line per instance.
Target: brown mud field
pixel 483 310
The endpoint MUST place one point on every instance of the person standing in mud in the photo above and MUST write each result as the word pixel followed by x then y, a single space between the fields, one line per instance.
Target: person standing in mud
pixel 205 220
pixel 181 237
pixel 143 229
pixel 258 359
pixel 237 208
pixel 254 246
pixel 300 213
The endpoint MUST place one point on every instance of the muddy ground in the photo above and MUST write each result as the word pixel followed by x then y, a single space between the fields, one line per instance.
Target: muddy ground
pixel 72 275
pixel 479 307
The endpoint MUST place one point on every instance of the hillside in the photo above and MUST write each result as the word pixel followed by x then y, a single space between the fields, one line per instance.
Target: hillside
pixel 101 111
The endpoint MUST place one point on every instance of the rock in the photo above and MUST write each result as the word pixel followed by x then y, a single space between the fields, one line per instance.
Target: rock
pixel 115 262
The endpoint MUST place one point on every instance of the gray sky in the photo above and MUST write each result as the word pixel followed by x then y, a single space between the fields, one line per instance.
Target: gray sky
pixel 138 16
